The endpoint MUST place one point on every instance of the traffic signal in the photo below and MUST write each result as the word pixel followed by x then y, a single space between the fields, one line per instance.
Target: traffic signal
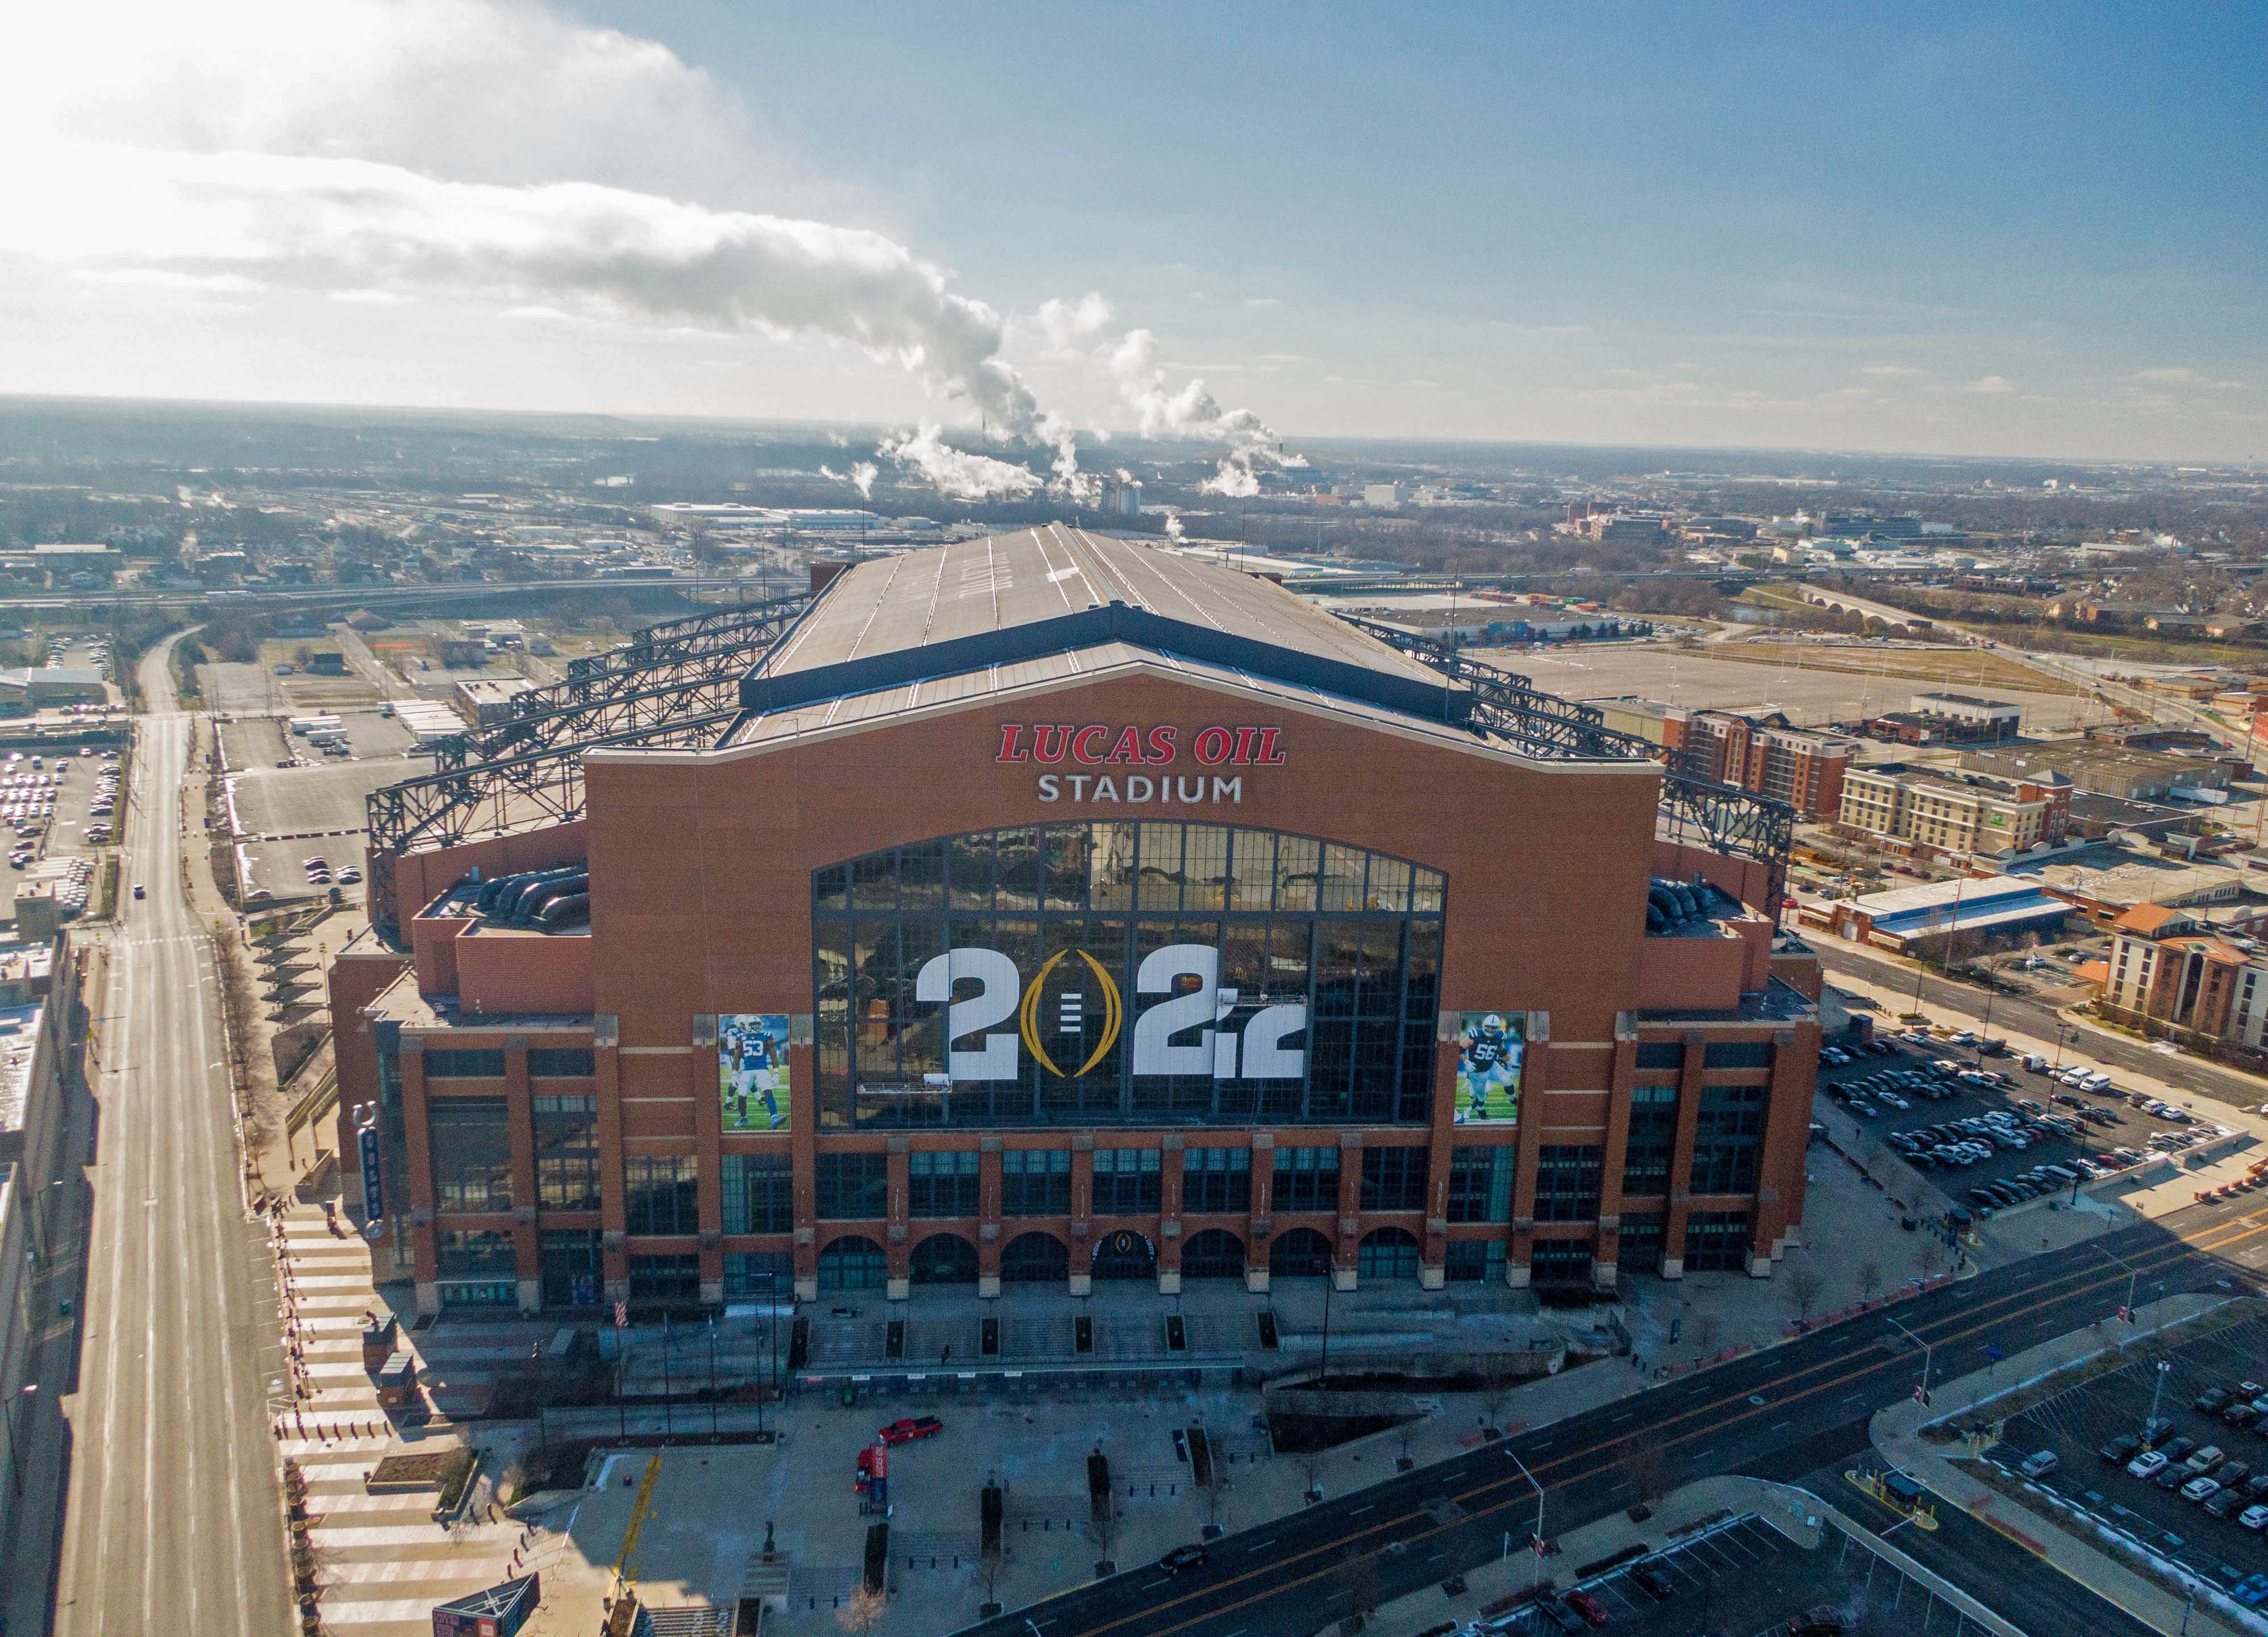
pixel 2126 1314
pixel 1921 1397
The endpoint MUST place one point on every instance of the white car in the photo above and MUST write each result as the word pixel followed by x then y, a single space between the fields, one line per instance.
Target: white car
pixel 2149 1464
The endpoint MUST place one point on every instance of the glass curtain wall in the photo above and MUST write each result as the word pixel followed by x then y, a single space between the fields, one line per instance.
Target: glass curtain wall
pixel 1127 972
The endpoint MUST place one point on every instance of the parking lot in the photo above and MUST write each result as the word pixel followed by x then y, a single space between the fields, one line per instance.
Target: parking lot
pixel 1744 1578
pixel 2081 1427
pixel 1983 1128
pixel 287 815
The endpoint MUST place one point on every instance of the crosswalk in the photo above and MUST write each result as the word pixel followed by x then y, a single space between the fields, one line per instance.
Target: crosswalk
pixel 380 1561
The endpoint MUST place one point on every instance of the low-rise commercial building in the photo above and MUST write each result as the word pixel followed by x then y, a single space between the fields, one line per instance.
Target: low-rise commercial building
pixel 2133 776
pixel 1918 919
pixel 1995 717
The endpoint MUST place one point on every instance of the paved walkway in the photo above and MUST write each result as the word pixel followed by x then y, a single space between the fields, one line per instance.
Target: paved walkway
pixel 1897 1430
pixel 381 1560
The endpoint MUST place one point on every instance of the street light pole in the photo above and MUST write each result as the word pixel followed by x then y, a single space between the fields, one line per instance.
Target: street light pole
pixel 15 1449
pixel 1524 1473
pixel 1928 1352
pixel 2156 1387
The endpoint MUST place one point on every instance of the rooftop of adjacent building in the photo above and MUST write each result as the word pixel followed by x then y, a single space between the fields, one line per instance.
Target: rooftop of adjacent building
pixel 19 1035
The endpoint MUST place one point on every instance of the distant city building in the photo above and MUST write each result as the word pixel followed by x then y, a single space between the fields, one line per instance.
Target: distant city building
pixel 1863 525
pixel 486 700
pixel 1951 814
pixel 2133 776
pixel 1639 526
pixel 1997 717
pixel 1386 495
pixel 1758 750
pixel 42 685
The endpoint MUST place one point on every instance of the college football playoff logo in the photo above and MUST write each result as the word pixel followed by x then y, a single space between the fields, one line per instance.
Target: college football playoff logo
pixel 1065 1015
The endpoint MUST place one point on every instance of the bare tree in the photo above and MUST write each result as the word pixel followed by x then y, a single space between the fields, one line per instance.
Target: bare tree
pixel 991 1564
pixel 1102 1525
pixel 1708 1329
pixel 1804 1288
pixel 1403 1439
pixel 1215 1490
pixel 1870 1279
pixel 1311 1469
pixel 1494 1400
pixel 1929 1257
pixel 866 1605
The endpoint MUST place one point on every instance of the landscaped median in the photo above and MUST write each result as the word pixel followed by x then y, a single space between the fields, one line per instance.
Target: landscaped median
pixel 1941 1446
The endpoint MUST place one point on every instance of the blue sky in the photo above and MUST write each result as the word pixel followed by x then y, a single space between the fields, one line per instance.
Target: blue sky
pixel 1998 230
pixel 2059 197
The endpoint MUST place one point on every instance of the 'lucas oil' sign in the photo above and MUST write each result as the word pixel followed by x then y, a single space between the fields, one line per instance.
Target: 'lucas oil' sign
pixel 1117 751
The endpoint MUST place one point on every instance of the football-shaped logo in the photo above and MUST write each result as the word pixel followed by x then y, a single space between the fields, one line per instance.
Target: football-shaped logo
pixel 1061 1019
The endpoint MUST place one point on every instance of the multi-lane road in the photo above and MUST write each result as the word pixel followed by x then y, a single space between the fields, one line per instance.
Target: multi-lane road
pixel 172 1522
pixel 1782 1414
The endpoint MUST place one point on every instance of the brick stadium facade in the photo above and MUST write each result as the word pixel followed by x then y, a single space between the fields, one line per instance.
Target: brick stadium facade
pixel 1059 910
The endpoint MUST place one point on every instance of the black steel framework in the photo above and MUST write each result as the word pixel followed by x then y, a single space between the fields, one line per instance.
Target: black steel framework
pixel 1695 810
pixel 678 685
pixel 675 687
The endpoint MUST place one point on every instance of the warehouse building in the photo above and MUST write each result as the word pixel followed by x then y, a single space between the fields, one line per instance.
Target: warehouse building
pixel 1049 909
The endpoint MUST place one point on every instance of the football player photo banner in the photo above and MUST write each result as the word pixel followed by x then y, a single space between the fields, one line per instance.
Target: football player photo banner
pixel 1490 1047
pixel 752 1067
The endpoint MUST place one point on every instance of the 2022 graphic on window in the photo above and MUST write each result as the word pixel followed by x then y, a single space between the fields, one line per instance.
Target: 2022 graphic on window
pixel 1184 1022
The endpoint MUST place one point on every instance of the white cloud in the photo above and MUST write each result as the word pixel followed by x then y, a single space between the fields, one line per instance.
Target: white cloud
pixel 1892 370
pixel 2185 378
pixel 1990 384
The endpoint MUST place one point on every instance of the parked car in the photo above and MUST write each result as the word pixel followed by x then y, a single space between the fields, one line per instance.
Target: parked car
pixel 2149 1464
pixel 1593 1611
pixel 2041 1464
pixel 2254 1518
pixel 2199 1489
pixel 1662 1588
pixel 2208 1459
pixel 2210 1400
pixel 910 1427
pixel 2120 1450
pixel 1184 1557
pixel 2227 1503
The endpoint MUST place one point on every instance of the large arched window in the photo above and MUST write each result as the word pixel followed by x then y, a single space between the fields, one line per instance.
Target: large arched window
pixel 853 1263
pixel 1127 972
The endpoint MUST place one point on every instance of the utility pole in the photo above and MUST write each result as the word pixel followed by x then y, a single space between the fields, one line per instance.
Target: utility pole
pixel 2156 1387
pixel 1330 1282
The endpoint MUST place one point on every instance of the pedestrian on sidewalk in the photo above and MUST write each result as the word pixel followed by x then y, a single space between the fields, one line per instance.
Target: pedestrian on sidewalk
pixel 945 1355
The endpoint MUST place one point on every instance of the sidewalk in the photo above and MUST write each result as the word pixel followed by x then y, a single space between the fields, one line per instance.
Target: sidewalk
pixel 381 1559
pixel 1896 1432
pixel 1799 1515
